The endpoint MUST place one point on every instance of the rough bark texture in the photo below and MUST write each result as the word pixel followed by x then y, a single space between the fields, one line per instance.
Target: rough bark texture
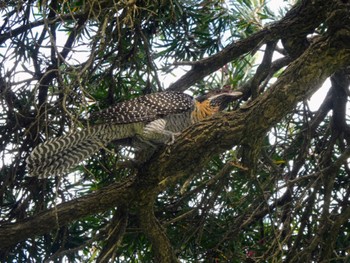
pixel 216 134
pixel 199 143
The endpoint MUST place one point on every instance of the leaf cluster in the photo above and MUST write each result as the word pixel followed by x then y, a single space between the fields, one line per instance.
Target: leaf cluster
pixel 267 181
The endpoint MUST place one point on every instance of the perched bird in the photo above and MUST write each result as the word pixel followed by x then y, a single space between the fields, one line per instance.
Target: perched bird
pixel 152 119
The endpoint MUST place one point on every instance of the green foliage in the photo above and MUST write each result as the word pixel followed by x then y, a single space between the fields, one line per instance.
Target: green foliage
pixel 61 59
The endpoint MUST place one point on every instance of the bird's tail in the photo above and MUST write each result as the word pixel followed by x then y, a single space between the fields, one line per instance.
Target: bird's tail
pixel 59 155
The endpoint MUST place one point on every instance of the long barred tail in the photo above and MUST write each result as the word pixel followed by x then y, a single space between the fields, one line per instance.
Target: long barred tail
pixel 59 155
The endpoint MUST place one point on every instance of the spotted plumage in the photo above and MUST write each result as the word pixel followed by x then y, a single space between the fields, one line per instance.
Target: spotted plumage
pixel 145 108
pixel 152 119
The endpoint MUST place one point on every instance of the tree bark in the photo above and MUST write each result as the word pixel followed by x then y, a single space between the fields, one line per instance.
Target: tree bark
pixel 217 134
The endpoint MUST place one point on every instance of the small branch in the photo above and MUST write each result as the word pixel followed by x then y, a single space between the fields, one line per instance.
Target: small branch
pixel 115 235
pixel 24 28
pixel 340 84
pixel 186 63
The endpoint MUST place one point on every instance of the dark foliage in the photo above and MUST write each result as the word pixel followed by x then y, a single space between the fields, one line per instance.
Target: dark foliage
pixel 268 181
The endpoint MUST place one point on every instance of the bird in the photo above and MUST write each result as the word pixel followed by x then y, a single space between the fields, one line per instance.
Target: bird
pixel 153 119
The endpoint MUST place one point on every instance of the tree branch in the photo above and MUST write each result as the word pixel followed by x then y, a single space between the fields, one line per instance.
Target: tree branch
pixel 117 194
pixel 186 156
pixel 299 81
pixel 22 29
pixel 162 249
pixel 303 18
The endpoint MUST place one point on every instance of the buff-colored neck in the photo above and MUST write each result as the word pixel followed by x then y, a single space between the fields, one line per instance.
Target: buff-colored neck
pixel 203 110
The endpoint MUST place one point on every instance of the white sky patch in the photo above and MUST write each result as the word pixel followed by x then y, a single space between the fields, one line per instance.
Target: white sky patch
pixel 318 97
pixel 276 6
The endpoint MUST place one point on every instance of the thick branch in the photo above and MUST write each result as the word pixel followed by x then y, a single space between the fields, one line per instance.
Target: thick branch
pixel 162 249
pixel 117 194
pixel 199 143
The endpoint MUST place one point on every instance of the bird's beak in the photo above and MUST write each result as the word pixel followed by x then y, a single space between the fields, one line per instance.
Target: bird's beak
pixel 222 99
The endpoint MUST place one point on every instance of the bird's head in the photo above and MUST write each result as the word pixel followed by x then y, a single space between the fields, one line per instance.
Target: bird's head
pixel 219 98
pixel 216 100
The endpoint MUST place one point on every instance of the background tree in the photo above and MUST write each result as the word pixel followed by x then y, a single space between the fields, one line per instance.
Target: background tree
pixel 266 181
